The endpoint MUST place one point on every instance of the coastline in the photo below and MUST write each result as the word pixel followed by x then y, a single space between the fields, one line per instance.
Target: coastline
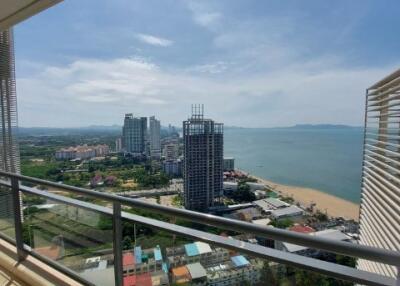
pixel 334 206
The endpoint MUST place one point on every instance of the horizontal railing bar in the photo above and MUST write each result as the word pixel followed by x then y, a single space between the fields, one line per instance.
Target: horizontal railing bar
pixel 7 238
pixel 323 267
pixel 65 200
pixel 48 261
pixel 345 248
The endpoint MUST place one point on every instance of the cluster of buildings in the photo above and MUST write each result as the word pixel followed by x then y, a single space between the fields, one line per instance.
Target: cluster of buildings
pixel 143 139
pixel 82 152
pixel 173 161
pixel 139 138
pixel 194 263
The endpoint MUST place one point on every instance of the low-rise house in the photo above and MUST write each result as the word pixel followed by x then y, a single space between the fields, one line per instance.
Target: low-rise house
pixel 292 212
pixel 270 204
pixel 82 152
pixel 230 187
pixel 138 280
pixel 334 234
pixel 301 228
pixel 246 214
pixel 238 271
pixel 255 186
pixel 142 261
pixel 260 194
pixel 195 252
pixel 180 275
pixel 197 273
pixel 261 221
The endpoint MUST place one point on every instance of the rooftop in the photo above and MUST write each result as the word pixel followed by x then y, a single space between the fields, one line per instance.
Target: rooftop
pixel 262 221
pixel 333 234
pixel 270 204
pixel 197 248
pixel 302 228
pixel 289 211
pixel 196 270
pixel 128 259
pixel 239 261
pixel 138 280
pixel 138 254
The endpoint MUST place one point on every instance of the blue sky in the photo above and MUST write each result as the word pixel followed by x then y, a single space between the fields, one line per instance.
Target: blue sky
pixel 252 63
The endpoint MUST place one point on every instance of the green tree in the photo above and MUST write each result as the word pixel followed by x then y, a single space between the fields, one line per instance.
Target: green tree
pixel 284 223
pixel 267 276
pixel 127 243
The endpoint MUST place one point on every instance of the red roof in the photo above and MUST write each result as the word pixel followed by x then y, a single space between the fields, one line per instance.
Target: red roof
pixel 144 279
pixel 302 229
pixel 130 280
pixel 138 280
pixel 128 259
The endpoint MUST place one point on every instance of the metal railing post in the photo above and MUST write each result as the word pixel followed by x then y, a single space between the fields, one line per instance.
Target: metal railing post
pixel 17 218
pixel 117 243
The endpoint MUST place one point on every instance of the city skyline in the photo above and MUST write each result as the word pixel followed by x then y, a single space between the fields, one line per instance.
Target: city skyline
pixel 200 205
pixel 251 58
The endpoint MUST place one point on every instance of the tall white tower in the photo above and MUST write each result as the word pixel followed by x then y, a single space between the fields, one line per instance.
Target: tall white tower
pixel 155 141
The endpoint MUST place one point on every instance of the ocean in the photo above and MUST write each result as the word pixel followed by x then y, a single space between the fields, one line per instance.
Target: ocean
pixel 326 159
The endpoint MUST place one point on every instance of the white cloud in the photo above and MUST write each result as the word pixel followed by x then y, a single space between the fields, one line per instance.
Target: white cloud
pixel 203 14
pixel 211 68
pixel 154 101
pixel 153 40
pixel 207 19
pixel 91 91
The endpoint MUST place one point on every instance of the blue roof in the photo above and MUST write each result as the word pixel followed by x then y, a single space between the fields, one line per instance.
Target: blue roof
pixel 191 249
pixel 165 267
pixel 157 253
pixel 239 261
pixel 138 254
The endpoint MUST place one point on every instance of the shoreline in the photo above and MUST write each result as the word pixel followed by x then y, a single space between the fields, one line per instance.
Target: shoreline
pixel 334 206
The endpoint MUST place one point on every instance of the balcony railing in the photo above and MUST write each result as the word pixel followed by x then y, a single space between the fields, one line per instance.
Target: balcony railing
pixel 15 183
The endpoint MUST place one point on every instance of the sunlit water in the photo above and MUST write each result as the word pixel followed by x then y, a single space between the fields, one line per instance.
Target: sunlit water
pixel 325 159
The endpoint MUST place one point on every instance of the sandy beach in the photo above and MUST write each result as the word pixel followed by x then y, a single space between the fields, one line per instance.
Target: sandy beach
pixel 334 206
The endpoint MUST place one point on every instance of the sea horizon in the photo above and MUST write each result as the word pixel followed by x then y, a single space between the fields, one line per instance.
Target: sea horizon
pixel 328 160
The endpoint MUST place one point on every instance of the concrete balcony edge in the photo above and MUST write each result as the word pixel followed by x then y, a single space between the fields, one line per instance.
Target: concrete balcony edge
pixel 30 271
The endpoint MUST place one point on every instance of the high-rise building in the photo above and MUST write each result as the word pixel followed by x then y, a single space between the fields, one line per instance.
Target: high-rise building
pixel 134 133
pixel 229 164
pixel 380 201
pixel 203 160
pixel 118 144
pixel 172 168
pixel 154 137
pixel 171 151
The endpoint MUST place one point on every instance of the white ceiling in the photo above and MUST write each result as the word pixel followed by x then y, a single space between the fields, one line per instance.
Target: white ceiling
pixel 15 11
